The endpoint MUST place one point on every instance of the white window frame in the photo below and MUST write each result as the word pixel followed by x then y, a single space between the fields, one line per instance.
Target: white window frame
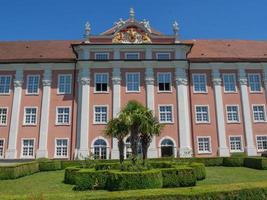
pixel 241 143
pixel 55 150
pixel 95 122
pixel 63 124
pixel 58 83
pixel 4 124
pixel 202 122
pixel 164 91
pixel 24 116
pixel 107 147
pixel 126 79
pixel 264 112
pixel 8 93
pixel 238 113
pixel 27 85
pixel 99 73
pixel 165 53
pixel 132 53
pixel 206 88
pixel 164 105
pixel 22 145
pixel 101 53
pixel 260 150
pixel 229 74
pixel 249 84
pixel 2 156
pixel 210 146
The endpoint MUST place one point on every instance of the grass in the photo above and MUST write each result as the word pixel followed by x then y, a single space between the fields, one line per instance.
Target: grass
pixel 49 185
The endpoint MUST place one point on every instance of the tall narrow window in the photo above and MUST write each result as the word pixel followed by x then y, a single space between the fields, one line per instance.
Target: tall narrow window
pixel 262 143
pixel 64 83
pixel 101 82
pixel 200 82
pixel 164 81
pixel 204 145
pixel 5 82
pixel 100 114
pixel 165 114
pixel 61 148
pixel 229 82
pixel 202 114
pixel 63 115
pixel 32 84
pixel 259 113
pixel 232 114
pixel 133 82
pixel 28 148
pixel 3 116
pixel 100 149
pixel 235 144
pixel 1 148
pixel 132 56
pixel 254 81
pixel 30 115
pixel 102 56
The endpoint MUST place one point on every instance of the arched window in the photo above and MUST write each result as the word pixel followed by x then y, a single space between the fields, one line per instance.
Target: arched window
pixel 128 149
pixel 167 148
pixel 100 149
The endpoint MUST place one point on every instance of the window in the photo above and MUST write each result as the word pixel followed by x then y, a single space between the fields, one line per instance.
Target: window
pixel 131 56
pixel 167 148
pixel 128 149
pixel 61 148
pixel 1 148
pixel 64 84
pixel 100 114
pixel 254 81
pixel 32 84
pixel 101 82
pixel 164 81
pixel 232 114
pixel 235 144
pixel 202 114
pixel 30 115
pixel 3 116
pixel 101 56
pixel 100 149
pixel 5 82
pixel 133 82
pixel 199 81
pixel 229 82
pixel 262 143
pixel 163 56
pixel 259 113
pixel 165 114
pixel 204 145
pixel 63 116
pixel 27 148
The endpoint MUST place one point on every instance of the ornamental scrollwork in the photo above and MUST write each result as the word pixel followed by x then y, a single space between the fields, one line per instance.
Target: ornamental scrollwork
pixel 85 81
pixel 46 82
pixel 181 81
pixel 18 83
pixel 217 81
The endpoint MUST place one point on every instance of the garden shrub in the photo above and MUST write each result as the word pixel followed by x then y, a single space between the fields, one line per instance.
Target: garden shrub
pixel 50 165
pixel 71 163
pixel 213 161
pixel 161 164
pixel 90 179
pixel 107 166
pixel 118 180
pixel 70 174
pixel 233 161
pixel 239 154
pixel 199 170
pixel 18 170
pixel 256 163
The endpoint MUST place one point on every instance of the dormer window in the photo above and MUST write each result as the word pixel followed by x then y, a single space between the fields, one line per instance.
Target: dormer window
pixel 102 56
pixel 132 56
pixel 163 56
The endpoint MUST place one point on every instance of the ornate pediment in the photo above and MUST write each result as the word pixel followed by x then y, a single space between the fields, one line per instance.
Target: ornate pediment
pixel 131 35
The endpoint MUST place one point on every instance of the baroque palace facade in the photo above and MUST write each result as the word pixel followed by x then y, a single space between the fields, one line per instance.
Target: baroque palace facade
pixel 56 97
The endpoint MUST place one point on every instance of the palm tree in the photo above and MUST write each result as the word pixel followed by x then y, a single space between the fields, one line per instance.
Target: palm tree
pixel 117 128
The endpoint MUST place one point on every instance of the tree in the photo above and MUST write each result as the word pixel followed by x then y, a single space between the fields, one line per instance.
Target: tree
pixel 117 128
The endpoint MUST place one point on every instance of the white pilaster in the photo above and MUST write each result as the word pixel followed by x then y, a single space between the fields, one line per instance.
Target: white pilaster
pixel 11 152
pixel 223 150
pixel 251 149
pixel 116 82
pixel 183 113
pixel 42 151
pixel 84 82
pixel 152 150
pixel 265 78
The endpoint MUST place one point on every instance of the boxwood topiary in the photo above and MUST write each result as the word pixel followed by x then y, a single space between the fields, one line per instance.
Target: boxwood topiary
pixel 118 180
pixel 50 165
pixel 199 170
pixel 256 163
pixel 233 161
pixel 70 175
pixel 161 164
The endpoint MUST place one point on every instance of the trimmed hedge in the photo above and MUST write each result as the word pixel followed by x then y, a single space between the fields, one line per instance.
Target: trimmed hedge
pixel 107 166
pixel 118 180
pixel 233 161
pixel 71 163
pixel 199 170
pixel 256 163
pixel 18 170
pixel 50 165
pixel 161 164
pixel 70 174
pixel 90 179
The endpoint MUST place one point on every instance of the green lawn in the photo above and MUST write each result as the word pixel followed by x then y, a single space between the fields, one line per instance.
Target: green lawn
pixel 49 185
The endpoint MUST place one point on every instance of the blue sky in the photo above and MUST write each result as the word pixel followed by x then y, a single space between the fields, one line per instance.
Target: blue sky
pixel 198 19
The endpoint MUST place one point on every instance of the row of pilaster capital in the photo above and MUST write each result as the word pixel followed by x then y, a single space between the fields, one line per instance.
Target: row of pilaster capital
pixel 116 76
pixel 242 77
pixel 216 77
pixel 47 77
pixel 84 76
pixel 181 76
pixel 18 81
pixel 149 76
